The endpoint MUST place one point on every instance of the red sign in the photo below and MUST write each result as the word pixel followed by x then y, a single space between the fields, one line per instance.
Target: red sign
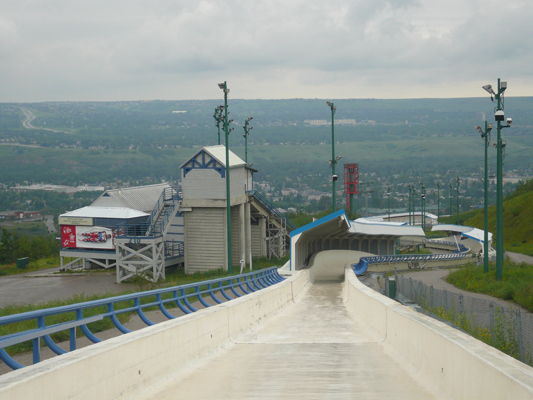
pixel 68 235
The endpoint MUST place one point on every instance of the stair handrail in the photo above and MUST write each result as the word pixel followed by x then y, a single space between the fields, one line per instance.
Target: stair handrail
pixel 168 194
pixel 271 208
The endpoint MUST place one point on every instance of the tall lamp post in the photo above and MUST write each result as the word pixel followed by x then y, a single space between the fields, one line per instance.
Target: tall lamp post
pixel 457 180
pixel 224 87
pixel 333 160
pixel 485 134
pixel 438 201
pixel 388 195
pixel 247 129
pixel 423 206
pixel 499 116
pixel 219 110
pixel 450 196
pixel 409 208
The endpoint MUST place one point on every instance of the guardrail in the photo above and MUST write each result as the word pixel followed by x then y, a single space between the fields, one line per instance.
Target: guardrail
pixel 271 208
pixel 226 289
pixel 361 267
pixel 462 247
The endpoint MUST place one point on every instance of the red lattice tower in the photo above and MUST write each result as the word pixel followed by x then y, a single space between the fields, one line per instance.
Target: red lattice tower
pixel 351 183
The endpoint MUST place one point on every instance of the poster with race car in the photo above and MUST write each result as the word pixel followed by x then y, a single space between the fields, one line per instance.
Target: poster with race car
pixel 88 237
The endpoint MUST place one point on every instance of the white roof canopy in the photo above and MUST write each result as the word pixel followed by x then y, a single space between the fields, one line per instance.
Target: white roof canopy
pixel 105 212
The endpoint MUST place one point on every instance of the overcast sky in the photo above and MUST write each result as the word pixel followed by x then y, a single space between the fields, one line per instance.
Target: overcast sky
pixel 180 49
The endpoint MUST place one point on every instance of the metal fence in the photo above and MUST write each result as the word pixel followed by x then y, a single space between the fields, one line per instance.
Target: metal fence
pixel 37 326
pixel 509 329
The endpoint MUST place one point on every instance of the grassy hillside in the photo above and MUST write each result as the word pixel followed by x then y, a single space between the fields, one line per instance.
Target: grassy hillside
pixel 517 222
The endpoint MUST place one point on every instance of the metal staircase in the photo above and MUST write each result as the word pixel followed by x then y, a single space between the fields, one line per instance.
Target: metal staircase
pixel 163 212
pixel 272 210
pixel 278 226
pixel 141 249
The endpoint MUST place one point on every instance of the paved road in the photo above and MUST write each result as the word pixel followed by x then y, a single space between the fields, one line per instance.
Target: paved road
pixel 44 286
pixel 520 258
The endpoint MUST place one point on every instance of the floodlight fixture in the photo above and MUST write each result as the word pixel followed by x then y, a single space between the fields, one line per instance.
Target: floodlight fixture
pixel 489 89
pixel 328 103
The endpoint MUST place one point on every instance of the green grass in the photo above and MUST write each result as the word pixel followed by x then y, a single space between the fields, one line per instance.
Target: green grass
pixel 516 284
pixel 38 265
pixel 517 223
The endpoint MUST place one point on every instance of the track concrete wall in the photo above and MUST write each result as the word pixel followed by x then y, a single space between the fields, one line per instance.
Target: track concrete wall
pixel 126 367
pixel 453 364
pixel 449 362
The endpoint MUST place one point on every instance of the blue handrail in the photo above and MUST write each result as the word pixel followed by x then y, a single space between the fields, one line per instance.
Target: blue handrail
pixel 361 267
pixel 180 296
pixel 462 247
pixel 271 208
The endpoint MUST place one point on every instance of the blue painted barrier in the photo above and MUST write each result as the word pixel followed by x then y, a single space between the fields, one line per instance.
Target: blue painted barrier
pixel 180 296
pixel 362 266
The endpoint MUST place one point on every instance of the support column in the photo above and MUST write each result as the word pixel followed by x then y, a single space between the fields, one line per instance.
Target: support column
pixel 248 227
pixel 242 233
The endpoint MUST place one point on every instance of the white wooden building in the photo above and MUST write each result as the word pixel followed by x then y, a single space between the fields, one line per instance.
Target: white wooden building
pixel 257 229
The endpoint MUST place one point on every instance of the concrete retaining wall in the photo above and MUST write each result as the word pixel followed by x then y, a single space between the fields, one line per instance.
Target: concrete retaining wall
pixel 448 361
pixel 127 366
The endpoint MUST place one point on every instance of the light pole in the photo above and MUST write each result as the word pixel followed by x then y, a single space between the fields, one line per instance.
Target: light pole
pixel 486 136
pixel 457 180
pixel 413 205
pixel 438 201
pixel 499 116
pixel 218 118
pixel 450 197
pixel 388 194
pixel 423 206
pixel 333 160
pixel 247 130
pixel 224 87
pixel 409 207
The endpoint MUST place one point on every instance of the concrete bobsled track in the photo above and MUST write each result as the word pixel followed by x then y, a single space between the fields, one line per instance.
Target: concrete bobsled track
pixel 316 335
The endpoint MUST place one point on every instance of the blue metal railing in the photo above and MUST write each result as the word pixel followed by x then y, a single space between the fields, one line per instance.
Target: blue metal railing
pixel 174 249
pixel 361 267
pixel 271 208
pixel 462 247
pixel 218 290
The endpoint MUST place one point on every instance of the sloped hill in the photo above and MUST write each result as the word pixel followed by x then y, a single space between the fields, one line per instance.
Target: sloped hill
pixel 517 220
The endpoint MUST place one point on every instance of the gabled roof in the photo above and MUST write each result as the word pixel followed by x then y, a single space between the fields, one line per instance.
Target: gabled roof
pixel 141 198
pixel 218 152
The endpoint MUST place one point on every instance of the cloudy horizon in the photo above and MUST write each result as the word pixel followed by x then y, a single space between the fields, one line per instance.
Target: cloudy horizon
pixel 59 50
